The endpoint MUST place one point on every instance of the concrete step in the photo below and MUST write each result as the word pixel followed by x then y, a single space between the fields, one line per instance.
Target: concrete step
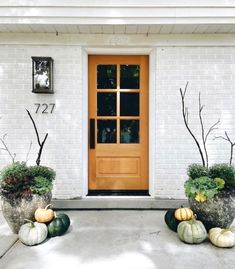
pixel 107 202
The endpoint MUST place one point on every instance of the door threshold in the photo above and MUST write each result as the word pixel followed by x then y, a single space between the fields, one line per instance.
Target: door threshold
pixel 118 193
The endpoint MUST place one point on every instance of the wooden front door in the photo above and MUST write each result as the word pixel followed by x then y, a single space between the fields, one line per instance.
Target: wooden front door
pixel 118 122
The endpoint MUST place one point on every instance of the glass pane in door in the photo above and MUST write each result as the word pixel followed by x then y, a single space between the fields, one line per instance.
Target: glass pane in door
pixel 106 76
pixel 129 76
pixel 106 104
pixel 129 131
pixel 106 131
pixel 129 104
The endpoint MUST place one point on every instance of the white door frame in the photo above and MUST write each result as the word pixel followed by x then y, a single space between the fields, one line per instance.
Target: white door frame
pixel 152 107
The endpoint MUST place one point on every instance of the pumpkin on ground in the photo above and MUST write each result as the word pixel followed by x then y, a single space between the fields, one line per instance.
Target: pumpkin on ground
pixel 59 225
pixel 44 214
pixel 33 233
pixel 223 238
pixel 183 213
pixel 192 231
pixel 170 220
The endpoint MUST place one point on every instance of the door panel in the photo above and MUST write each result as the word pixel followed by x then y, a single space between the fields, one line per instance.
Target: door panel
pixel 118 114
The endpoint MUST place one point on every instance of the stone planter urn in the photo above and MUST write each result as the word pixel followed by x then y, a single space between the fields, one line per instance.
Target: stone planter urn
pixel 216 212
pixel 15 212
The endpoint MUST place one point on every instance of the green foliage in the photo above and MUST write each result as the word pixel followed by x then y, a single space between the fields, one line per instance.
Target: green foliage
pixel 15 181
pixel 197 170
pixel 19 181
pixel 17 169
pixel 42 171
pixel 224 171
pixel 203 188
pixel 41 185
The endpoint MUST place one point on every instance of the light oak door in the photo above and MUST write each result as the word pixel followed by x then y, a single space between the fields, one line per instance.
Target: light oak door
pixel 118 122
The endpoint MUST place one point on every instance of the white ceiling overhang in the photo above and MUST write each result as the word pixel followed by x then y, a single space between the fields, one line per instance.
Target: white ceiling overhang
pixel 118 16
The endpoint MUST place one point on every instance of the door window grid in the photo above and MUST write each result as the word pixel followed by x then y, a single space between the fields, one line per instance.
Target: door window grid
pixel 120 119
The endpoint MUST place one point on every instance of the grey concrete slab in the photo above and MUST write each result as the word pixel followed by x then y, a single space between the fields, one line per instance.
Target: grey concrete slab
pixel 119 239
pixel 112 202
pixel 7 238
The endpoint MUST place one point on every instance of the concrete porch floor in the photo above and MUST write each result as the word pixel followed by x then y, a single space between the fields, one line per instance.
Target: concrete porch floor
pixel 115 239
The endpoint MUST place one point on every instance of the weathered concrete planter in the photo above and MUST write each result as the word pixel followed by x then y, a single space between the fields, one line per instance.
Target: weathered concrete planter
pixel 216 212
pixel 15 212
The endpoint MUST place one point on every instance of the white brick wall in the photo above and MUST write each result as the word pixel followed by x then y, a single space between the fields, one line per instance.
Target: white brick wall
pixel 62 149
pixel 208 69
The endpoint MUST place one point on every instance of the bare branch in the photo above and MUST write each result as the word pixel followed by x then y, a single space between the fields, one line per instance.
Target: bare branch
pixel 212 128
pixel 200 108
pixel 35 128
pixel 220 137
pixel 40 150
pixel 232 144
pixel 27 155
pixel 38 138
pixel 7 149
pixel 185 117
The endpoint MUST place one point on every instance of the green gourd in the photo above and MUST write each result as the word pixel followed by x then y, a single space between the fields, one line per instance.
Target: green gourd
pixel 170 220
pixel 59 225
pixel 32 233
pixel 192 231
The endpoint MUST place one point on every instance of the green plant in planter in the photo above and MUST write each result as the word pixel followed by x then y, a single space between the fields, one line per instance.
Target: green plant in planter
pixel 224 171
pixel 19 181
pixel 15 182
pixel 197 170
pixel 203 188
pixel 41 185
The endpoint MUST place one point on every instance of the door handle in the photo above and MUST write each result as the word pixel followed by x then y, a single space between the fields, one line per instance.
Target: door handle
pixel 92 133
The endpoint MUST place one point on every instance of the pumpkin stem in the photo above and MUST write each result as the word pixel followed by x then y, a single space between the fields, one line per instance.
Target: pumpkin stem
pixel 50 205
pixel 228 229
pixel 30 221
pixel 194 218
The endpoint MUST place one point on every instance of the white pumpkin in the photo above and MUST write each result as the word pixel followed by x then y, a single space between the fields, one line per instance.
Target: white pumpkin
pixel 33 233
pixel 223 238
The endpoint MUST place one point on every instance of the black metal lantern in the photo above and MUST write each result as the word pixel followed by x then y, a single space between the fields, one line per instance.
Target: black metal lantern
pixel 42 72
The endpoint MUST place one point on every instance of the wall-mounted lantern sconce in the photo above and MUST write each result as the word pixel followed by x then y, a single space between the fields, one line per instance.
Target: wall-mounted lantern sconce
pixel 42 71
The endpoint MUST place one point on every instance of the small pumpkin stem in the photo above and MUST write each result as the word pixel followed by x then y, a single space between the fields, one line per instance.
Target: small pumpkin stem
pixel 194 217
pixel 50 205
pixel 225 230
pixel 30 221
pixel 231 229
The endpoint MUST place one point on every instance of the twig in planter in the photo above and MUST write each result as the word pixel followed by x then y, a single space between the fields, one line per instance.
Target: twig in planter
pixel 185 114
pixel 232 144
pixel 41 144
pixel 7 149
pixel 27 156
pixel 211 129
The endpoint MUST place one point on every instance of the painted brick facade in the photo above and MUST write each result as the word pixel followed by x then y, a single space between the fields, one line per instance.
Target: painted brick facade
pixel 62 149
pixel 209 70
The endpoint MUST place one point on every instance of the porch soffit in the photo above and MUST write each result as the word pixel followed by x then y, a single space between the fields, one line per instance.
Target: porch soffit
pixel 118 16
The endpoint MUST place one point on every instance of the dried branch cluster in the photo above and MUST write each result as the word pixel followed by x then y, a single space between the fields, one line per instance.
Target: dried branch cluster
pixel 232 144
pixel 5 147
pixel 201 148
pixel 41 144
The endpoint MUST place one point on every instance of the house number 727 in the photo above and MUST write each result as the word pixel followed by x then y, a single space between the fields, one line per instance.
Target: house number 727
pixel 45 108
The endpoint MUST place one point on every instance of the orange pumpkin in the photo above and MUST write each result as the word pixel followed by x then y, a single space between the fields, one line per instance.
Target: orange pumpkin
pixel 44 214
pixel 183 213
